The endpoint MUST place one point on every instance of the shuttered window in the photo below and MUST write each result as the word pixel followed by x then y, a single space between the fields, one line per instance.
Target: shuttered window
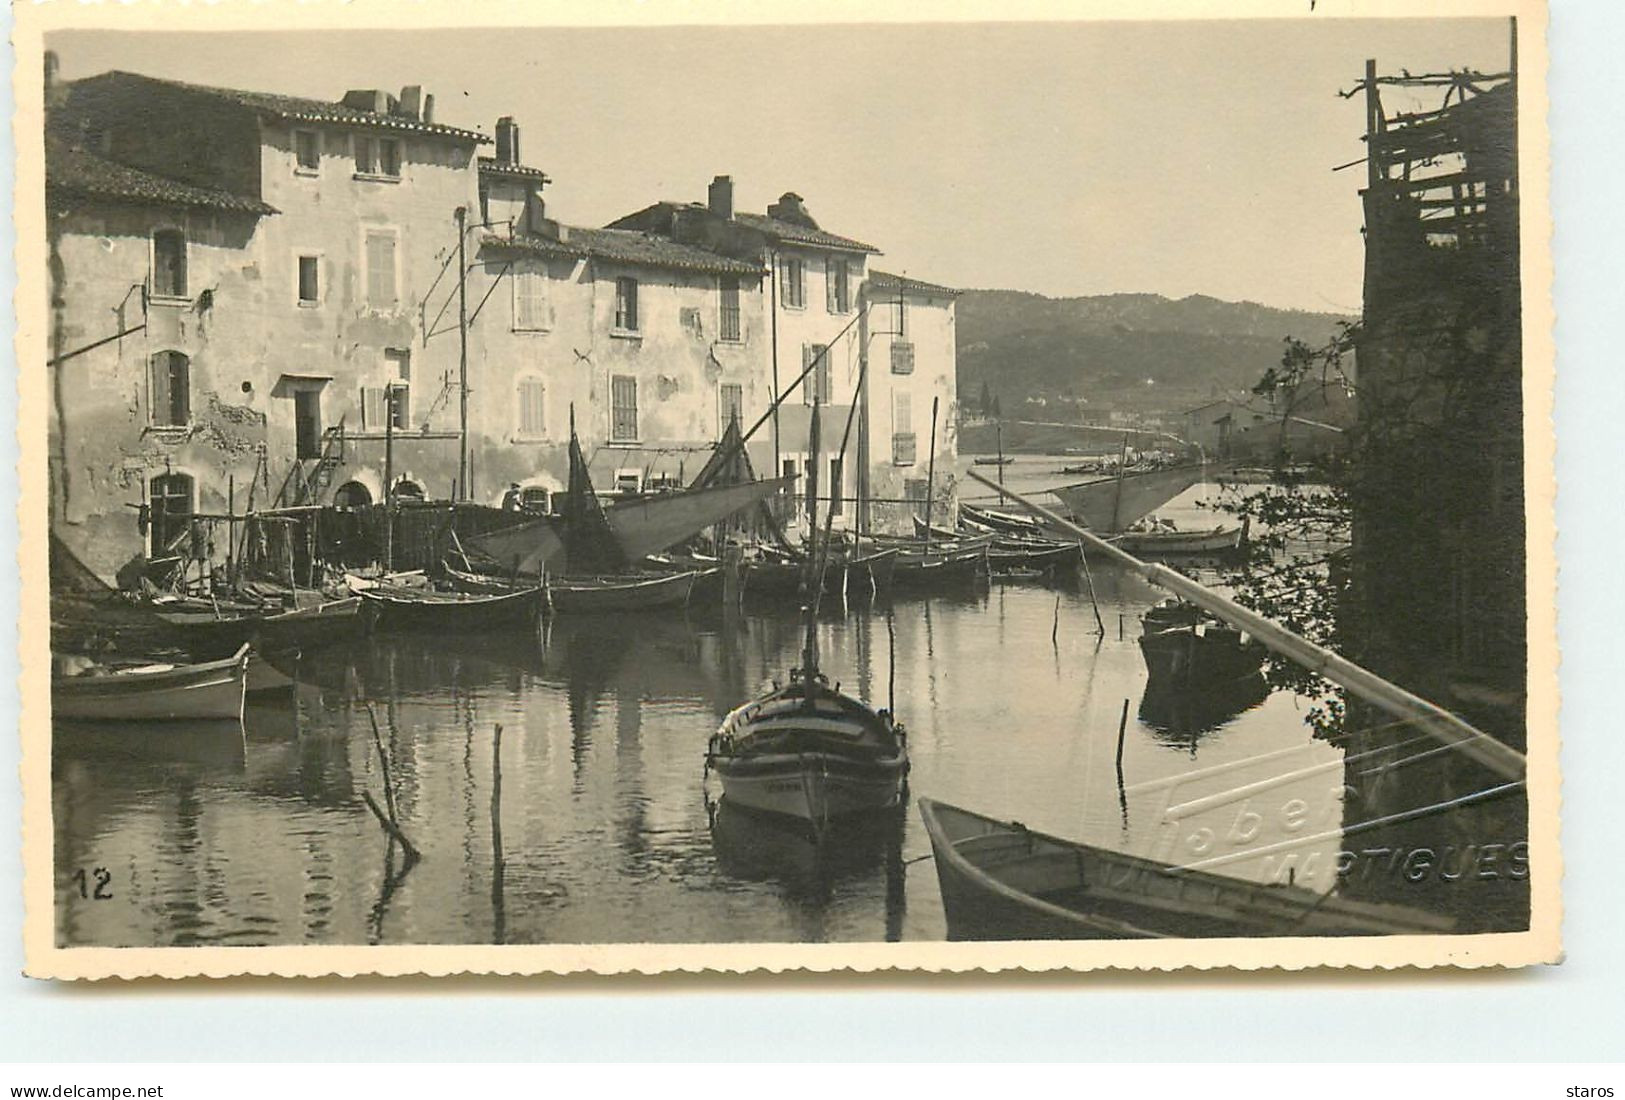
pixel 835 288
pixel 816 384
pixel 902 428
pixel 382 291
pixel 532 409
pixel 730 405
pixel 623 426
pixel 902 357
pixel 793 284
pixel 730 308
pixel 626 304
pixel 530 302
pixel 310 288
pixel 372 408
pixel 837 469
pixel 169 264
pixel 171 388
pixel 307 150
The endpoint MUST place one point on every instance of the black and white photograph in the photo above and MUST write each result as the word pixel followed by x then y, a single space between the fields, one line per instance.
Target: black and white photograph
pixel 920 495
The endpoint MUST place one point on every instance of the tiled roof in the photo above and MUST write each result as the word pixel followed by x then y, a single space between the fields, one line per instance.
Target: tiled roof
pixel 801 234
pixel 627 247
pixel 299 109
pixel 501 168
pixel 885 280
pixel 77 172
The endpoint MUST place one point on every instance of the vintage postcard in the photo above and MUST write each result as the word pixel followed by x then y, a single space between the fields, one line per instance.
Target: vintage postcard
pixel 619 488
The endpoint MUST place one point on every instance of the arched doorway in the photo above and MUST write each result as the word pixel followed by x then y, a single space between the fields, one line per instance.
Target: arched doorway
pixel 407 489
pixel 171 510
pixel 352 494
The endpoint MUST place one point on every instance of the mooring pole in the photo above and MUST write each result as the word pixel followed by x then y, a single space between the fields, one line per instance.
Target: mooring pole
pixel 931 475
pixel 462 354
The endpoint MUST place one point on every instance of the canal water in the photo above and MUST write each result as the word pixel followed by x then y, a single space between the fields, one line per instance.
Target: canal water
pixel 589 819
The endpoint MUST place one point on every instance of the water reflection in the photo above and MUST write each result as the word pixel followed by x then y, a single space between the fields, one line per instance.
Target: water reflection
pixel 1181 717
pixel 553 780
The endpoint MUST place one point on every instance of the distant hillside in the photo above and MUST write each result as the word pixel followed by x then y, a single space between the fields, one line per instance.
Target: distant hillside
pixel 1104 348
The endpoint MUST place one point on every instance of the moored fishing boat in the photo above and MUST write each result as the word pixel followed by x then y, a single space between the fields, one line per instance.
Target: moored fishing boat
pixel 987 519
pixel 638 592
pixel 152 692
pixel 1000 880
pixel 1185 646
pixel 809 751
pixel 805 749
pixel 425 609
pixel 992 460
pixel 1110 504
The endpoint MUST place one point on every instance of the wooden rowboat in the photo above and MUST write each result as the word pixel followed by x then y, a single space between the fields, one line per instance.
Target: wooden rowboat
pixel 1219 540
pixel 422 609
pixel 212 690
pixel 1002 881
pixel 641 592
pixel 587 595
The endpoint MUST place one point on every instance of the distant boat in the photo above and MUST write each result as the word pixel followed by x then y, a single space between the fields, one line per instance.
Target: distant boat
pixel 1000 880
pixel 212 690
pixel 808 751
pixel 1112 504
pixel 1218 540
pixel 785 576
pixel 992 460
pixel 987 519
pixel 423 609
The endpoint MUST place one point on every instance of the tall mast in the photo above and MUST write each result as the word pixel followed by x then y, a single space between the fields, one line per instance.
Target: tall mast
pixel 809 654
pixel 462 355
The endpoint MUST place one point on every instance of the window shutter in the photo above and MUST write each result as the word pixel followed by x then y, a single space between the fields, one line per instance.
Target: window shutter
pixel 829 285
pixel 159 410
pixel 531 409
pixel 624 408
pixel 902 357
pixel 381 269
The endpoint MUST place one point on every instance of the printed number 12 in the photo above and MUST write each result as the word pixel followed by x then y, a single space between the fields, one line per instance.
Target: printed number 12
pixel 103 878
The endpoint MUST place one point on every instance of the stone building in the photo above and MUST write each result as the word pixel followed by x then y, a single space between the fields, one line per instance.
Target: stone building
pixel 818 325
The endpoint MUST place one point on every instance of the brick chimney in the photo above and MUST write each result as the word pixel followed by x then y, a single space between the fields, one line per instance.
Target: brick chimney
pixel 428 108
pixel 507 140
pixel 791 208
pixel 720 197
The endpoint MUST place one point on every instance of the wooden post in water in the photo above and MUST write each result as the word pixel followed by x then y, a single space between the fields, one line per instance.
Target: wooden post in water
pixel 1392 699
pixel 1122 729
pixel 1089 578
pixel 231 529
pixel 731 556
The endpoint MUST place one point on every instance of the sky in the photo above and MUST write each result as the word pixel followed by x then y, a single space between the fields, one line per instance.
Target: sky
pixel 1060 158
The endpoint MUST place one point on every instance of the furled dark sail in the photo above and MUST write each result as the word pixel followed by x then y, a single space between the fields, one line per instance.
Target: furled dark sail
pixel 589 544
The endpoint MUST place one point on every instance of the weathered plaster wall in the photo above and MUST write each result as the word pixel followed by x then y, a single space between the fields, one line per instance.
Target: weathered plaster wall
pixel 676 357
pixel 929 326
pixel 104 444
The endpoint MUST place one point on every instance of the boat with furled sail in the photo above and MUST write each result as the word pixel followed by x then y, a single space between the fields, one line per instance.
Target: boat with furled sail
pixel 1000 880
pixel 212 690
pixel 804 749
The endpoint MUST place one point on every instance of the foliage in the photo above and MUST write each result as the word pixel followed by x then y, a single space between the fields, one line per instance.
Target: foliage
pixel 1296 569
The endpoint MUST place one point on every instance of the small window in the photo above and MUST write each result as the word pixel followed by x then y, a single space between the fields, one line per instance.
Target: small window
pixel 730 309
pixel 792 284
pixel 530 312
pixel 902 357
pixel 623 427
pixel 382 290
pixel 730 405
pixel 372 408
pixel 399 364
pixel 307 423
pixel 626 304
pixel 837 467
pixel 171 510
pixel 792 493
pixel 307 150
pixel 902 428
pixel 532 409
pixel 817 384
pixel 835 288
pixel 310 290
pixel 376 156
pixel 389 157
pixel 171 387
pixel 169 264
